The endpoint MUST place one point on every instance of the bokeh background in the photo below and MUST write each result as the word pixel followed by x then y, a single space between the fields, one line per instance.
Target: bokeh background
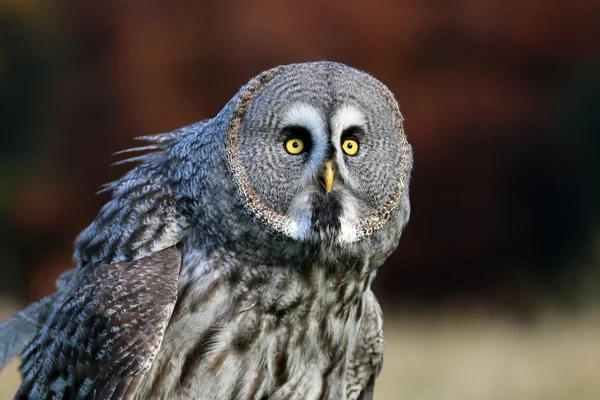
pixel 493 292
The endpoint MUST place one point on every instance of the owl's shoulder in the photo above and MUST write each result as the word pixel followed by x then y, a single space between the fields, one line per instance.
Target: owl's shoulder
pixel 141 218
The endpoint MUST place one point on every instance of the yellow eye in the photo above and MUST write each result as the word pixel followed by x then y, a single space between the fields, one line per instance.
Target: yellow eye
pixel 294 146
pixel 350 146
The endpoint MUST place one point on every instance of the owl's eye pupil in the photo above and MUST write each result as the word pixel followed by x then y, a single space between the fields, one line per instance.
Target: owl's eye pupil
pixel 294 146
pixel 350 146
pixel 297 140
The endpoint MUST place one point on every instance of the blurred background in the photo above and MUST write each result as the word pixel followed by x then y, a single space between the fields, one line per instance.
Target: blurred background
pixel 493 292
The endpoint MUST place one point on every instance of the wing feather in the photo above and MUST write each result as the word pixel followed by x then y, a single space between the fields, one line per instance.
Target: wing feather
pixel 104 336
pixel 20 329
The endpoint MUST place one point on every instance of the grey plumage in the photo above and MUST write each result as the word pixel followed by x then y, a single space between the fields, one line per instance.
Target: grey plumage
pixel 367 361
pixel 24 326
pixel 20 329
pixel 229 266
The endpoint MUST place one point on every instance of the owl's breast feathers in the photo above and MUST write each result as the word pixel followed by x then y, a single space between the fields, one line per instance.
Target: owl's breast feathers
pixel 251 331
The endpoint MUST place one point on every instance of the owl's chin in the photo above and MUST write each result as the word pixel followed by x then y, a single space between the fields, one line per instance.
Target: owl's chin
pixel 326 214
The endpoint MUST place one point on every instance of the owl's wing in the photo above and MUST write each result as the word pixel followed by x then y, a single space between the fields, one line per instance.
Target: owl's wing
pixel 366 363
pixel 104 332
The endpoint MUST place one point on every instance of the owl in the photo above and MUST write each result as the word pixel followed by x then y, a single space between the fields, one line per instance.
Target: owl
pixel 235 259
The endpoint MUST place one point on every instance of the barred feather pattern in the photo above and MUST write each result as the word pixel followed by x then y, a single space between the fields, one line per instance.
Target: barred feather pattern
pixel 256 332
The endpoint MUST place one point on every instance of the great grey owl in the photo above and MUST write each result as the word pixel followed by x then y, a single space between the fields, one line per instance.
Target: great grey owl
pixel 235 260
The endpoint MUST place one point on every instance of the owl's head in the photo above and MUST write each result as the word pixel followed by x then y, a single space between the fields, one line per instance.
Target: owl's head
pixel 318 152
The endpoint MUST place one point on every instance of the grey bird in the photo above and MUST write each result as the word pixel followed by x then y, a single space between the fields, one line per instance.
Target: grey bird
pixel 235 260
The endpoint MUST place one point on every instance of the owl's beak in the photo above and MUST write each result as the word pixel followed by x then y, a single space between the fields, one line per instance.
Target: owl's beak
pixel 328 175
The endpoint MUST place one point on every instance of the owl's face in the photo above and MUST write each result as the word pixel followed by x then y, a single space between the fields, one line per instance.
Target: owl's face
pixel 318 152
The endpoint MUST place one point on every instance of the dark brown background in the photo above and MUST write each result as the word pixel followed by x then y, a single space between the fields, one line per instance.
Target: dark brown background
pixel 501 100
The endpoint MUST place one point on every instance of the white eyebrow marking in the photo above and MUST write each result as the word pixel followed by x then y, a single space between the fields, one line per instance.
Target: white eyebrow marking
pixel 305 115
pixel 345 117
